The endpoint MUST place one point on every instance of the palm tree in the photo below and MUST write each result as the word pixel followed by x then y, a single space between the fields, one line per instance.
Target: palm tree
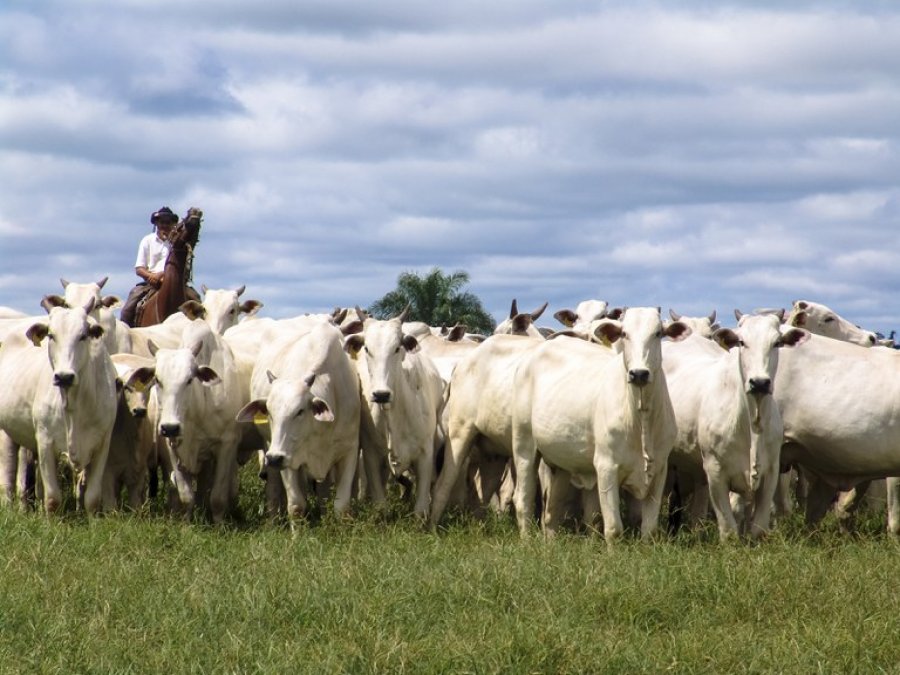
pixel 437 299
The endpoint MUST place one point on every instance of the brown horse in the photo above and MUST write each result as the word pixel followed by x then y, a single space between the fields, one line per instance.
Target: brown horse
pixel 172 292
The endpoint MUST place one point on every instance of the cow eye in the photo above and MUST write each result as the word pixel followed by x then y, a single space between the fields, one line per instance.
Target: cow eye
pixel 397 350
pixel 828 319
pixel 367 350
pixel 299 412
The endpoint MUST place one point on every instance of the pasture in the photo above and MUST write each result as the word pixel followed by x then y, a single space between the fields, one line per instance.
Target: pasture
pixel 375 593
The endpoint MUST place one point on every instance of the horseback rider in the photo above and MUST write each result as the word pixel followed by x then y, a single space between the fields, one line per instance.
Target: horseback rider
pixel 151 263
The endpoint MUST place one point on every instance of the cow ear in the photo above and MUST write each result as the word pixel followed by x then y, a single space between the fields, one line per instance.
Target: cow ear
pixel 793 337
pixel 95 330
pixel 565 333
pixel 37 332
pixel 726 338
pixel 410 344
pixel 566 317
pixel 141 379
pixel 207 376
pixel 192 309
pixel 457 333
pixel 321 411
pixel 250 307
pixel 677 331
pixel 255 411
pixel 353 344
pixel 110 301
pixel 607 331
pixel 119 385
pixel 520 324
pixel 352 328
pixel 799 319
pixel 615 313
pixel 48 302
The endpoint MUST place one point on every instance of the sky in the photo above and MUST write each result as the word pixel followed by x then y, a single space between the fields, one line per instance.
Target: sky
pixel 688 155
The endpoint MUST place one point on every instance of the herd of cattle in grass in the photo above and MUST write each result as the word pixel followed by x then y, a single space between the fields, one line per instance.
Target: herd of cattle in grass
pixel 612 413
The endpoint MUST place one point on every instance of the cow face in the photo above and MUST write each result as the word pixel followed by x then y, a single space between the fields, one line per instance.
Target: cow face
pixel 385 347
pixel 821 320
pixel 639 335
pixel 68 334
pixel 221 309
pixel 758 337
pixel 293 413
pixel 177 375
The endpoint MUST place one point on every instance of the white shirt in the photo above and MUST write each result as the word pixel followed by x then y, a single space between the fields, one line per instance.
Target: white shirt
pixel 152 253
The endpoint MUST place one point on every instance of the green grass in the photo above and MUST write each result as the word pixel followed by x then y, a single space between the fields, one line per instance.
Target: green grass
pixel 145 593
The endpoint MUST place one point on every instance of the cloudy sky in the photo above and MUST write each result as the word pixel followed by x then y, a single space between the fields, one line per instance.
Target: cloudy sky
pixel 692 155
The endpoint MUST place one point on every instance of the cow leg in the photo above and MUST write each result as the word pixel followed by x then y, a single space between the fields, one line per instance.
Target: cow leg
pixel 424 476
pixel 344 490
pixel 47 462
pixel 763 501
pixel 9 468
pixel 783 499
pixel 610 505
pixel 456 453
pixel 182 482
pixel 652 503
pixel 559 500
pixel 296 500
pixel 819 498
pixel 276 498
pixel 224 477
pixel 721 501
pixel 893 506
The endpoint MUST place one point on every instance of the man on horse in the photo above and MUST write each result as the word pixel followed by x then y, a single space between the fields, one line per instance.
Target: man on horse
pixel 151 261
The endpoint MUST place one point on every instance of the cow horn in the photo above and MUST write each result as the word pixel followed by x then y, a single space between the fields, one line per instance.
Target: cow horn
pixel 514 309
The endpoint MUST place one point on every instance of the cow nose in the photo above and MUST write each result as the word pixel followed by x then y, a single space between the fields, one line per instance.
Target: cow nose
pixel 872 340
pixel 381 396
pixel 64 380
pixel 139 413
pixel 275 460
pixel 170 430
pixel 760 385
pixel 638 376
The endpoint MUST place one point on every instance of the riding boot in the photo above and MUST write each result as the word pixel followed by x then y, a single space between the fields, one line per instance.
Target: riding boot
pixel 129 309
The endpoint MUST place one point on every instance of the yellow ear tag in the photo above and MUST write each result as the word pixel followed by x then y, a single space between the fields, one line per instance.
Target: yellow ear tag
pixel 260 418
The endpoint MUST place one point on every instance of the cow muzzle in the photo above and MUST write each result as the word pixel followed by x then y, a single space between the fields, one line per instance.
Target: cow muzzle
pixel 275 460
pixel 63 379
pixel 170 431
pixel 759 386
pixel 381 396
pixel 639 377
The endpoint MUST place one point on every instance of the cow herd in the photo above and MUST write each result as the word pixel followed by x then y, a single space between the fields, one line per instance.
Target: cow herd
pixel 602 419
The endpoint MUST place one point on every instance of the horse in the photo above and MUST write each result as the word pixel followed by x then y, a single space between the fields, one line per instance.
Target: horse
pixel 172 292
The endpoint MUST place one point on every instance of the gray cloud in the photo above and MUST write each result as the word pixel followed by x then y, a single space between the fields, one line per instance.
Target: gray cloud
pixel 710 156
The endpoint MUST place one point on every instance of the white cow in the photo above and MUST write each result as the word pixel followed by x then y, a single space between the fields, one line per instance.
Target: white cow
pixel 60 399
pixel 520 323
pixel 821 320
pixel 199 399
pixel 838 402
pixel 602 415
pixel 221 308
pixel 132 449
pixel 702 326
pixel 729 428
pixel 115 333
pixel 444 351
pixel 309 401
pixel 404 392
pixel 578 322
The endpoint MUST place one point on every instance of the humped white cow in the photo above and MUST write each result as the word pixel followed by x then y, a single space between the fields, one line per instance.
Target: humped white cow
pixel 602 415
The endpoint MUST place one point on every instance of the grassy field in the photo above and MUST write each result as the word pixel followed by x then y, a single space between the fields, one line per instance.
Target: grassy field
pixel 142 594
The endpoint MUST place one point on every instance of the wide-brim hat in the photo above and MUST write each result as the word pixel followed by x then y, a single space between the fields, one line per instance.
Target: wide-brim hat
pixel 164 214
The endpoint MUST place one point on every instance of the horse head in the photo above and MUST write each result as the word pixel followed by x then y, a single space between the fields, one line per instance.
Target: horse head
pixel 188 229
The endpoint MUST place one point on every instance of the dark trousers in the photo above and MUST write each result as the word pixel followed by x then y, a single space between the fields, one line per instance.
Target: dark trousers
pixel 129 309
